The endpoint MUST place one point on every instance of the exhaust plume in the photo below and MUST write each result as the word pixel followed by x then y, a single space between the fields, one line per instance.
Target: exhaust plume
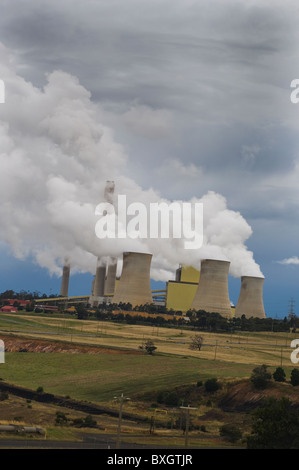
pixel 56 156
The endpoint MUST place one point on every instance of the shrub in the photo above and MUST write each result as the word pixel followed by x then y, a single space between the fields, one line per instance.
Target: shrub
pixel 260 377
pixel 3 396
pixel 295 377
pixel 279 375
pixel 89 422
pixel 275 426
pixel 171 399
pixel 78 422
pixel 149 347
pixel 161 397
pixel 211 385
pixel 61 418
pixel 199 383
pixel 168 398
pixel 40 390
pixel 230 432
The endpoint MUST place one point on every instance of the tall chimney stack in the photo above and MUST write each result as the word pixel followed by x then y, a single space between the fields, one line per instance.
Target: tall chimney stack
pixel 99 281
pixel 64 290
pixel 134 285
pixel 212 291
pixel 250 301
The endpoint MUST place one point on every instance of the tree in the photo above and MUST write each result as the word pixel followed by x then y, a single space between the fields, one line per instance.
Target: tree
pixel 275 426
pixel 230 432
pixel 61 418
pixel 260 377
pixel 279 375
pixel 148 346
pixel 82 312
pixel 295 377
pixel 196 343
pixel 212 385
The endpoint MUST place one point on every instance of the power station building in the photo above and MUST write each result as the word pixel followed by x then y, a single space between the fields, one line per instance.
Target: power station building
pixel 212 290
pixel 250 301
pixel 180 293
pixel 134 285
pixel 205 289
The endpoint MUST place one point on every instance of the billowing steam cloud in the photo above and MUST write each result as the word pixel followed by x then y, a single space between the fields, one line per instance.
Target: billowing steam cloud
pixel 56 155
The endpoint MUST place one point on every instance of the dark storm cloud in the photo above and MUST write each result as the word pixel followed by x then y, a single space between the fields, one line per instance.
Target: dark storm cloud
pixel 197 92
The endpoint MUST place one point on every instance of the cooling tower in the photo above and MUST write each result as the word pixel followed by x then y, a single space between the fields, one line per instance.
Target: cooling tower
pixel 134 285
pixel 64 290
pixel 212 291
pixel 250 301
pixel 110 278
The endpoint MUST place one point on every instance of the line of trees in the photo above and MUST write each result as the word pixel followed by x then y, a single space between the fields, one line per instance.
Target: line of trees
pixel 198 320
pixel 25 295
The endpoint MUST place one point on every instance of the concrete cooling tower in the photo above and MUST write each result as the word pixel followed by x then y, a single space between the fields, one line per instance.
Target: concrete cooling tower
pixel 212 291
pixel 64 290
pixel 250 301
pixel 134 285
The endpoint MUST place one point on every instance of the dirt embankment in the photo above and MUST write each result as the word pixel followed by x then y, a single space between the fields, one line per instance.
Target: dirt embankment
pixel 17 344
pixel 245 397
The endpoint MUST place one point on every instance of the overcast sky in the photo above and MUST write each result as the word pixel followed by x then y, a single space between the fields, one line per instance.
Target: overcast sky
pixel 190 96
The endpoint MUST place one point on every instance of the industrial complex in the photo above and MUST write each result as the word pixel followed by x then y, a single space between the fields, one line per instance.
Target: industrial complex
pixel 193 289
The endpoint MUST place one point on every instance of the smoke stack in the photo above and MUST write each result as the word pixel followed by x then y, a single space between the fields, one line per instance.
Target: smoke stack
pixel 250 301
pixel 134 285
pixel 109 283
pixel 110 278
pixel 92 285
pixel 64 290
pixel 212 291
pixel 99 281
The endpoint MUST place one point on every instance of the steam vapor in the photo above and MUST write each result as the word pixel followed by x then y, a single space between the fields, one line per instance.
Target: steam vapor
pixel 56 156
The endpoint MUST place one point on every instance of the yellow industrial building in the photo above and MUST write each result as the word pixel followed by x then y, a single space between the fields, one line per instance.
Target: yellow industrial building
pixel 180 293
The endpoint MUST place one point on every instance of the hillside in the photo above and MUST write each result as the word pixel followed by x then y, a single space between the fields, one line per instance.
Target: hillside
pixel 243 396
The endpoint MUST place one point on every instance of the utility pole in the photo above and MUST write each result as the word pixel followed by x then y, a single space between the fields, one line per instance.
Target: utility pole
pixel 188 408
pixel 215 349
pixel 121 402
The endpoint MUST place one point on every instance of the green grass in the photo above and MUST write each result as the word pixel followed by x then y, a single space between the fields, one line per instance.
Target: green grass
pixel 97 378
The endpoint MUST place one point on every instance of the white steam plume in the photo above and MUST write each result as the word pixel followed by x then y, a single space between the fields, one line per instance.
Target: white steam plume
pixel 55 157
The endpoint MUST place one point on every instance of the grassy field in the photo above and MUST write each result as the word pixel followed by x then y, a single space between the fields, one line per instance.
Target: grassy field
pixel 99 378
pixel 244 347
